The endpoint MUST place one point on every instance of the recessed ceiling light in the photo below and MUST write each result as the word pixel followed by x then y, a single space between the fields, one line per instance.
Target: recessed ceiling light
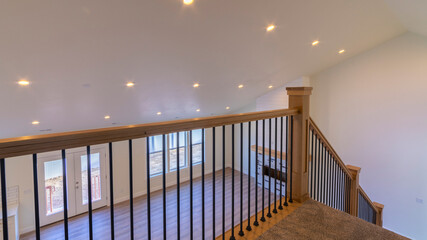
pixel 130 84
pixel 196 85
pixel 271 86
pixel 24 82
pixel 107 117
pixel 198 110
pixel 341 51
pixel 188 2
pixel 159 113
pixel 315 43
pixel 35 123
pixel 241 86
pixel 270 28
pixel 228 108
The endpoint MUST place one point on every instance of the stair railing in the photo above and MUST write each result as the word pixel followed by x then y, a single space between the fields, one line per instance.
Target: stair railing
pixel 225 133
pixel 335 184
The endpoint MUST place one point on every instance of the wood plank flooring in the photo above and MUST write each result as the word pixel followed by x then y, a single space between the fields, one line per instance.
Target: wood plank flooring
pixel 78 226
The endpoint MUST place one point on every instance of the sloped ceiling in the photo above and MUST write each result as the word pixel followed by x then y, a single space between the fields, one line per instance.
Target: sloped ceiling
pixel 412 14
pixel 78 55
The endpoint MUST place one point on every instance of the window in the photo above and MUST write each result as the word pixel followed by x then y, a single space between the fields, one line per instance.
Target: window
pixel 197 146
pixel 156 151
pixel 173 150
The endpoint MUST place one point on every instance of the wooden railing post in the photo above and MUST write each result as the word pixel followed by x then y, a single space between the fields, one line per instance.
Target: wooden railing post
pixel 379 217
pixel 354 196
pixel 299 97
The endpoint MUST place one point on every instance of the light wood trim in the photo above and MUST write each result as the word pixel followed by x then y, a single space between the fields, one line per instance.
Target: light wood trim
pixel 302 91
pixel 273 152
pixel 263 227
pixel 365 196
pixel 12 147
pixel 323 139
pixel 380 208
pixel 354 186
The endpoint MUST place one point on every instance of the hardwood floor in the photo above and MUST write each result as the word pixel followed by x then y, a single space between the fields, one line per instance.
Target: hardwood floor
pixel 78 226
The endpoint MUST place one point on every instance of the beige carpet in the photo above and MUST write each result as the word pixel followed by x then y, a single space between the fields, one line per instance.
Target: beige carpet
pixel 314 220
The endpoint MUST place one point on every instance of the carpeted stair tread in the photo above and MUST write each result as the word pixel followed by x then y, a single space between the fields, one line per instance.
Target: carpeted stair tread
pixel 314 220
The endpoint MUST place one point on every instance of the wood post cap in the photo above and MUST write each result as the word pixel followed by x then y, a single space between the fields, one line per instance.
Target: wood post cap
pixel 353 168
pixel 379 206
pixel 299 91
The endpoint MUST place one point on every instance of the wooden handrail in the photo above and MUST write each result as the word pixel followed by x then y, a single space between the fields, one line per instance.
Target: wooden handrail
pixel 365 196
pixel 13 147
pixel 322 138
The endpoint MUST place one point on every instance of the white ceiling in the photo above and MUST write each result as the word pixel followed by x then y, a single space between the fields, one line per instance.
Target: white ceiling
pixel 412 13
pixel 79 54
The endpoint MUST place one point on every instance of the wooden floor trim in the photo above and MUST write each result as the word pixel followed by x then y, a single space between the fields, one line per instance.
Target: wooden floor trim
pixel 257 231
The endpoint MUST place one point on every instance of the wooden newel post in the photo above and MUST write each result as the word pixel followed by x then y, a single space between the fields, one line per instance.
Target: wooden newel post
pixel 379 216
pixel 299 97
pixel 354 194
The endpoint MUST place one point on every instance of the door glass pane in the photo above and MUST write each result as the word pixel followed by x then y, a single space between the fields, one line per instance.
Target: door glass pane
pixel 182 149
pixel 95 177
pixel 53 187
pixel 156 154
pixel 197 146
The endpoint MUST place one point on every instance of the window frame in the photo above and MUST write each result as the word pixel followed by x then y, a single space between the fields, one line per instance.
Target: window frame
pixel 168 150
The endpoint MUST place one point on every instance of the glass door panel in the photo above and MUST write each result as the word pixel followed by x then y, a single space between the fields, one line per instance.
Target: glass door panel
pixel 98 180
pixel 95 178
pixel 53 186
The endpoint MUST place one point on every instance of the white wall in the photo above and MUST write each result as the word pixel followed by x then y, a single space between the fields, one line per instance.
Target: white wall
pixel 23 166
pixel 373 109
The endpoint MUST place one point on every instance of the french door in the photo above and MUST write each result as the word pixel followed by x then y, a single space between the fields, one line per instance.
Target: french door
pixel 51 184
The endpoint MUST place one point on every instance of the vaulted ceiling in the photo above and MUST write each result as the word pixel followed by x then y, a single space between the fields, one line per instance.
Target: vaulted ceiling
pixel 78 55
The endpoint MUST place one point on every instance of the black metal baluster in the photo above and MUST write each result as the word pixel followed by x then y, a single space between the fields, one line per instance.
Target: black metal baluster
pixel 223 182
pixel 64 193
pixel 292 149
pixel 275 166
pixel 329 181
pixel 232 183
pixel 248 228
pixel 334 187
pixel 213 183
pixel 148 190
pixel 286 161
pixel 312 162
pixel 203 183
pixel 256 223
pixel 164 186
pixel 269 169
pixel 89 191
pixel 263 175
pixel 348 193
pixel 345 191
pixel 320 171
pixel 341 191
pixel 281 162
pixel 241 180
pixel 191 186
pixel 178 197
pixel 4 199
pixel 36 197
pixel 132 232
pixel 323 173
pixel 318 156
